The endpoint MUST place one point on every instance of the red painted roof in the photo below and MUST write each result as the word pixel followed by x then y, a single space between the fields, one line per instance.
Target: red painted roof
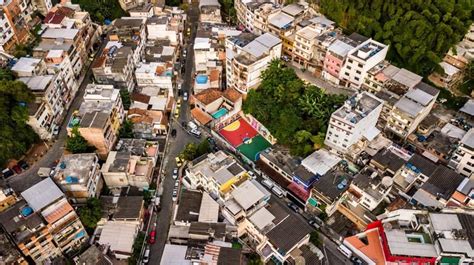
pixel 299 191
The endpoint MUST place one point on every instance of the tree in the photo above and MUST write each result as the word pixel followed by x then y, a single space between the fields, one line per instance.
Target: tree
pixel 203 148
pixel 125 96
pixel 253 259
pixel 76 144
pixel 137 248
pixel 419 32
pixel 6 74
pixel 315 239
pixel 101 9
pixel 16 136
pixel 126 130
pixel 189 152
pixel 295 113
pixel 90 214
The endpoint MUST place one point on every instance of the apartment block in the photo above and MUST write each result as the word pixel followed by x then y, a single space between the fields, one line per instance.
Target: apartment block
pixel 360 60
pixel 449 78
pixel 155 79
pixel 130 4
pixel 28 67
pixel 462 159
pixel 43 6
pixel 147 124
pixel 165 28
pixel 144 10
pixel 335 57
pixel 213 106
pixel 115 66
pixel 217 173
pixel 15 15
pixel 385 77
pixel 58 62
pixel 44 225
pixel 79 176
pixel 247 57
pixel 48 110
pixel 123 169
pixel 99 117
pixel 210 11
pixel 411 109
pixel 356 119
pixel 130 32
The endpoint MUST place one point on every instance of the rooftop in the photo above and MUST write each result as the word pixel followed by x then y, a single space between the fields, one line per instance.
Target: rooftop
pixel 26 64
pixel 368 50
pixel 341 47
pixel 75 168
pixel 175 255
pixel 281 20
pixel 129 207
pixel 129 22
pixel 443 182
pixel 468 139
pixel 468 108
pixel 54 33
pixel 388 159
pixel 118 236
pixel 248 194
pixel 422 164
pixel 42 194
pixel 208 96
pixel 328 185
pixel 320 162
pixel 288 233
pixel 37 83
pixel 189 206
pixel 218 166
pixel 19 221
pixel 358 107
pixel 281 158
pixel 308 33
pixel 402 243
pixel 293 9
pixel 209 209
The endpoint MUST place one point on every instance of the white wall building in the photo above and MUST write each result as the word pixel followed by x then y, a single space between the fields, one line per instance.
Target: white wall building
pixel 355 119
pixel 463 158
pixel 154 79
pixel 360 60
pixel 247 57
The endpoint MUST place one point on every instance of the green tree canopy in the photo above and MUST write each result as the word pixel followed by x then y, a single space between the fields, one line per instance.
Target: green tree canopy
pixel 126 131
pixel 419 32
pixel 76 144
pixel 16 137
pixel 102 9
pixel 192 151
pixel 90 214
pixel 295 113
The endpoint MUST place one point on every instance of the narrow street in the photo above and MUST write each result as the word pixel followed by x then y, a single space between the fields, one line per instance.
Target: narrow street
pixel 28 178
pixel 175 146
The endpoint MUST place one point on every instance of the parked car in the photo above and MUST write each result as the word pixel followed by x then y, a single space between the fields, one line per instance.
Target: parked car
pixel 7 173
pixel 176 184
pixel 185 96
pixel 176 112
pixel 294 207
pixel 175 173
pixel 23 164
pixel 179 162
pixel 175 195
pixel 16 169
pixel 251 174
pixel 152 237
pixel 173 133
pixel 312 222
pixel 196 133
pixel 146 256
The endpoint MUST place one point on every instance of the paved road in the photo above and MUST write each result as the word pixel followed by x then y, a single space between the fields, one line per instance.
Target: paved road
pixel 175 145
pixel 30 177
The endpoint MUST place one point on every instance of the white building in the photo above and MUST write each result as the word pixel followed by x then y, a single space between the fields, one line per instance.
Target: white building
pixel 47 112
pixel 411 109
pixel 7 29
pixel 27 67
pixel 161 28
pixel 355 119
pixel 360 60
pixel 247 57
pixel 154 79
pixel 463 158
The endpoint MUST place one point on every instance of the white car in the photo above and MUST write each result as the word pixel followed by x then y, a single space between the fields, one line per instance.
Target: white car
pixel 175 195
pixel 185 96
pixel 175 173
pixel 251 174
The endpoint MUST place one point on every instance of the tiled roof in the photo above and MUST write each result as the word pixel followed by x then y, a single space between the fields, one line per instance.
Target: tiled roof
pixel 140 97
pixel 202 117
pixel 232 94
pixel 208 96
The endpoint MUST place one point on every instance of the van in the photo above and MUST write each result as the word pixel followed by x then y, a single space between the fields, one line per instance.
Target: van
pixel 192 125
pixel 345 251
pixel 146 256
pixel 278 192
pixel 267 183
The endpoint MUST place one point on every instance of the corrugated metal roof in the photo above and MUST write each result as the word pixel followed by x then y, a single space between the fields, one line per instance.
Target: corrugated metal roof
pixel 42 194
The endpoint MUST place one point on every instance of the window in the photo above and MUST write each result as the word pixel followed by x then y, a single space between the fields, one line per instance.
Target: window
pixel 360 65
pixel 346 73
pixel 348 67
pixel 350 61
pixel 358 72
pixel 356 78
pixel 344 145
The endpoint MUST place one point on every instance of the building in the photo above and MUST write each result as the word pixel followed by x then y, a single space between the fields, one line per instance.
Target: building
pixel 356 119
pixel 164 28
pixel 335 57
pixel 414 236
pixel 449 78
pixel 438 189
pixel 463 158
pixel 131 164
pixel 155 79
pixel 217 173
pixel 148 124
pixel 44 225
pixel 43 6
pixel 210 11
pixel 359 60
pixel 47 112
pixel 144 10
pixel 130 32
pixel 93 255
pixel 414 173
pixel 67 39
pixel 213 106
pixel 127 5
pixel 15 15
pixel 99 117
pixel 78 175
pixel 411 109
pixel 387 78
pixel 247 57
pixel 115 66
pixel 29 67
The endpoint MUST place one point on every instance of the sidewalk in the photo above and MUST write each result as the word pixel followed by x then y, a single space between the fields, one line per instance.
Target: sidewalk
pixel 321 83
